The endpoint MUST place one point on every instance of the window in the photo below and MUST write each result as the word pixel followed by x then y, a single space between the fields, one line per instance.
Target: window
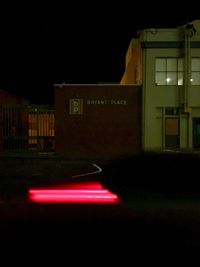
pixel 172 111
pixel 195 71
pixel 169 71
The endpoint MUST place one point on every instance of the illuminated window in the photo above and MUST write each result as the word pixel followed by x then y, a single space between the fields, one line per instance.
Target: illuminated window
pixel 169 71
pixel 195 71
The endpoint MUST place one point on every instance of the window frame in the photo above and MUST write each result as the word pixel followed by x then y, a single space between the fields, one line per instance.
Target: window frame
pixel 195 72
pixel 178 71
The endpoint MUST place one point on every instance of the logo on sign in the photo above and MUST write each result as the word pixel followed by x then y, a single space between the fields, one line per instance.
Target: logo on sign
pixel 75 106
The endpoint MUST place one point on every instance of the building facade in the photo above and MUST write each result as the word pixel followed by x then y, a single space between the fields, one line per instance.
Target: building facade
pixel 97 121
pixel 25 127
pixel 166 62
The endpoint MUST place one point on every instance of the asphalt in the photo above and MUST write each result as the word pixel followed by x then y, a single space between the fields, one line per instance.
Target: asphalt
pixel 143 228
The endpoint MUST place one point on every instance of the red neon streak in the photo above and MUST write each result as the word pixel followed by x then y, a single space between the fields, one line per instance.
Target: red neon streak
pixel 76 193
pixel 94 185
pixel 66 191
pixel 72 199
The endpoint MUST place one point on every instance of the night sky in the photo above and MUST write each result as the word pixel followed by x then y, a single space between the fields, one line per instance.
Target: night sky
pixel 44 44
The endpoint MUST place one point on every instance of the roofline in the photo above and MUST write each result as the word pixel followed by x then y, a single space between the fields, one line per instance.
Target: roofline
pixel 168 44
pixel 96 84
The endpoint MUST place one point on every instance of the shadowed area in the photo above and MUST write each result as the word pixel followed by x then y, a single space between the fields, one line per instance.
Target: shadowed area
pixel 18 174
pixel 162 174
pixel 158 217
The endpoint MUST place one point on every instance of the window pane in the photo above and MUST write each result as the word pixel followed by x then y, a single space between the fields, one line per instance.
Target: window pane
pixel 195 64
pixel 171 78
pixel 171 64
pixel 180 64
pixel 180 78
pixel 171 111
pixel 160 64
pixel 160 78
pixel 195 78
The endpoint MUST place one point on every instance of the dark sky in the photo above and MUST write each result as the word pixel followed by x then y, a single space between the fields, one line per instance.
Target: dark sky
pixel 82 43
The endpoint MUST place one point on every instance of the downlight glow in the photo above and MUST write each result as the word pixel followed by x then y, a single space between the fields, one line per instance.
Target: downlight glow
pixel 89 192
pixel 168 80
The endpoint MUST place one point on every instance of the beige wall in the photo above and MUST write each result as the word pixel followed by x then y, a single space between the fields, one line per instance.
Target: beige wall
pixel 156 98
pixel 161 35
pixel 164 96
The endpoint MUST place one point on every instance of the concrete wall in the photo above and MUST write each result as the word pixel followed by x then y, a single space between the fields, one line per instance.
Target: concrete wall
pixel 106 122
pixel 142 52
pixel 157 97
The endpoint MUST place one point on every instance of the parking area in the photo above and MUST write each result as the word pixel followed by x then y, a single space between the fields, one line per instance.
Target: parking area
pixel 139 224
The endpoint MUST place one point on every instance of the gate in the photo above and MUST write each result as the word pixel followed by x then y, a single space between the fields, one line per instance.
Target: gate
pixel 26 128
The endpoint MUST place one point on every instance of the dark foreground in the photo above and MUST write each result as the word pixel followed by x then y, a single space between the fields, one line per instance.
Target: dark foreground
pixel 157 221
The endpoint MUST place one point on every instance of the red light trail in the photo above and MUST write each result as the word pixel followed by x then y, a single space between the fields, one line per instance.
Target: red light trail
pixel 88 192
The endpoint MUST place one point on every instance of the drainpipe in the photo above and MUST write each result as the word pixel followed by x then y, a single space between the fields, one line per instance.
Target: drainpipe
pixel 190 30
pixel 186 75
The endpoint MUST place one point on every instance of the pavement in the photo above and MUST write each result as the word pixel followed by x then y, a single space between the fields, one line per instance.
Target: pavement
pixel 145 227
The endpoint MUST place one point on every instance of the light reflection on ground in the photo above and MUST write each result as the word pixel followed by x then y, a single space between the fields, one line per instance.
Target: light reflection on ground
pixel 85 192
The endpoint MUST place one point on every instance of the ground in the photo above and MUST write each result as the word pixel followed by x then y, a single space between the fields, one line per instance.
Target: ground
pixel 146 227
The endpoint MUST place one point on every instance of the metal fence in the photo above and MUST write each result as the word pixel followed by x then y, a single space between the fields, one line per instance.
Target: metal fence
pixel 25 128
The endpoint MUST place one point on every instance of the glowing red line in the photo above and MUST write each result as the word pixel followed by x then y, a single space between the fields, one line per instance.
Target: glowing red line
pixel 78 186
pixel 66 191
pixel 62 198
pixel 76 193
pixel 73 196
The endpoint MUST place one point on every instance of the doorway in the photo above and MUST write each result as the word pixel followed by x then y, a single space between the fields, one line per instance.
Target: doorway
pixel 196 132
pixel 172 137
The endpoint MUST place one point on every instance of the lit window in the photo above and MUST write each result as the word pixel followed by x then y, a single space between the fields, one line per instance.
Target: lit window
pixel 195 64
pixel 180 78
pixel 161 64
pixel 195 71
pixel 169 71
pixel 195 80
pixel 171 64
pixel 160 78
pixel 171 78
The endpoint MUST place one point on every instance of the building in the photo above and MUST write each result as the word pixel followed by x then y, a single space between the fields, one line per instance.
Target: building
pixel 9 99
pixel 166 63
pixel 13 121
pixel 25 127
pixel 97 120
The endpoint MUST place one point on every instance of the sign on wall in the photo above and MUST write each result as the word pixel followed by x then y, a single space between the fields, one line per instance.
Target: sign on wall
pixel 76 106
